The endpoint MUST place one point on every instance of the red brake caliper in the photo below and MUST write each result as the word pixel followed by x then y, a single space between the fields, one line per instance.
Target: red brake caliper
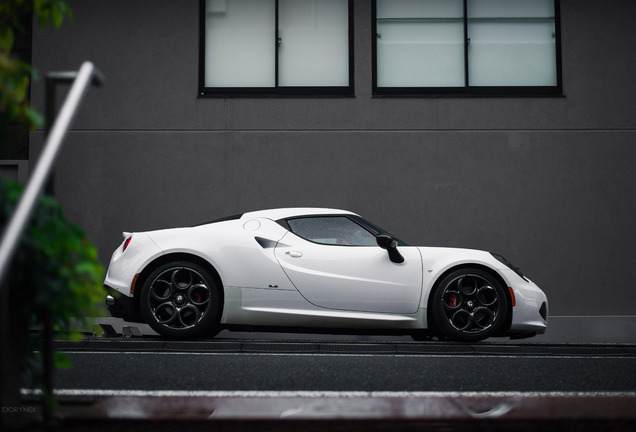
pixel 453 300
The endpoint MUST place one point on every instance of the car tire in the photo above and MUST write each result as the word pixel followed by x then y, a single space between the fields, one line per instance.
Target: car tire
pixel 469 305
pixel 181 300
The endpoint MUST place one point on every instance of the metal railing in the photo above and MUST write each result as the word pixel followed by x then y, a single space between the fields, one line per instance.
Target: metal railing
pixel 86 75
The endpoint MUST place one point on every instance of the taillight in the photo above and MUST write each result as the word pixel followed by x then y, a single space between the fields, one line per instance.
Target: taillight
pixel 126 243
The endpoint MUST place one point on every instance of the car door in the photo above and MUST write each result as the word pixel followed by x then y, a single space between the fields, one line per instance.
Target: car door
pixel 336 263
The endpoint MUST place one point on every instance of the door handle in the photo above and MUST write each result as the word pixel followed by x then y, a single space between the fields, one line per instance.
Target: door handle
pixel 294 254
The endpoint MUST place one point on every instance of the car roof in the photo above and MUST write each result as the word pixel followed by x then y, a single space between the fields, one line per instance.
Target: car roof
pixel 284 213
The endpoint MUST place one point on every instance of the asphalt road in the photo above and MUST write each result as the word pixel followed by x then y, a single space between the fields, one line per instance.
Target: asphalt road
pixel 134 366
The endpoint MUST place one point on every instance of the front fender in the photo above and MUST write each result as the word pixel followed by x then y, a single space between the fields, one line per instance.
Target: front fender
pixel 438 261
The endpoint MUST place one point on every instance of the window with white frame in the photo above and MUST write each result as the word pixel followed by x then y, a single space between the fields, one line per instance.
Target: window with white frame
pixel 276 47
pixel 467 46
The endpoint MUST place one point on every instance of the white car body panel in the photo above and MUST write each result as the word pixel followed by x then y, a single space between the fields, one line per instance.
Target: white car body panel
pixel 268 307
pixel 232 250
pixel 124 266
pixel 272 277
pixel 353 278
pixel 437 260
pixel 284 213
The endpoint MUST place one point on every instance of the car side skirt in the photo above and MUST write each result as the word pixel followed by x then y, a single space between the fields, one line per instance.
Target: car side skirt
pixel 260 307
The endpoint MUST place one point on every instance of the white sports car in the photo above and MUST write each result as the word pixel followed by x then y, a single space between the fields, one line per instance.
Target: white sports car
pixel 315 270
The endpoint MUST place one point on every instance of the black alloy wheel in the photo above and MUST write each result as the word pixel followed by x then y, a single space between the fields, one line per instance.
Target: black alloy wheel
pixel 469 305
pixel 181 300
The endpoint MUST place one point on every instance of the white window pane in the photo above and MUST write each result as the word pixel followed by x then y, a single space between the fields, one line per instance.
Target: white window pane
pixel 240 43
pixel 420 43
pixel 511 8
pixel 314 43
pixel 419 9
pixel 512 43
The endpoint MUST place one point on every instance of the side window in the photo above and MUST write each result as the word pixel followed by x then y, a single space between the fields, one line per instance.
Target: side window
pixel 332 230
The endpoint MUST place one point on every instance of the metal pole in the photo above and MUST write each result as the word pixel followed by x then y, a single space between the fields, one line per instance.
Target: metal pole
pixel 48 367
pixel 86 75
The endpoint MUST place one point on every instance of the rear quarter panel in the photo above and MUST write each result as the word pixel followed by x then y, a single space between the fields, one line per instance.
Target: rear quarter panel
pixel 231 248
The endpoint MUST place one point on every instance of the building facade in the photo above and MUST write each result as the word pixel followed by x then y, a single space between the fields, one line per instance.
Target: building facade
pixel 473 124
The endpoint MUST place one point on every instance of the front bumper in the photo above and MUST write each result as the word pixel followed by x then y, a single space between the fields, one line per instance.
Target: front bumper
pixel 531 314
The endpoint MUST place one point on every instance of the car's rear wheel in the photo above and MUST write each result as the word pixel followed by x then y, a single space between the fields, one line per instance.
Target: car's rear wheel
pixel 469 305
pixel 181 300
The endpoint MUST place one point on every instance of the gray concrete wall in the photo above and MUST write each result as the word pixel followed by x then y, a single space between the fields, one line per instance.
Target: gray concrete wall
pixel 548 182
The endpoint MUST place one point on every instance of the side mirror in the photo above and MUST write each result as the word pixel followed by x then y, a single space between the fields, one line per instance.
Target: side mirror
pixel 390 245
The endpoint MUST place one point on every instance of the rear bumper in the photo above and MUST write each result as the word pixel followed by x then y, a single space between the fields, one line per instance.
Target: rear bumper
pixel 121 306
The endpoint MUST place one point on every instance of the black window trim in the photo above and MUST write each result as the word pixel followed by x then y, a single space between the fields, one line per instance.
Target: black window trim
pixel 276 91
pixel 285 224
pixel 363 223
pixel 467 90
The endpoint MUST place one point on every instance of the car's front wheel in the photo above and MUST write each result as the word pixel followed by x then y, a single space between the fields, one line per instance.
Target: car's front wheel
pixel 181 300
pixel 469 305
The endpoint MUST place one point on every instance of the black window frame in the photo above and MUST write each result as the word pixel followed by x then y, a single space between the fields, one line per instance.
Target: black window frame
pixel 328 216
pixel 467 90
pixel 363 223
pixel 276 91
